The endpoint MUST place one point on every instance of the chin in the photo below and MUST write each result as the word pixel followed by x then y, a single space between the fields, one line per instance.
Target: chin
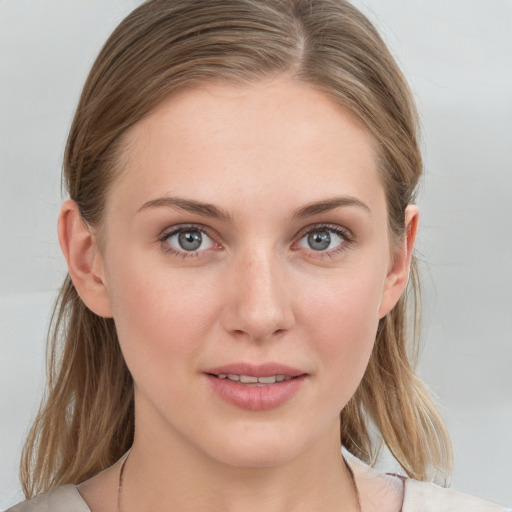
pixel 258 449
pixel 256 457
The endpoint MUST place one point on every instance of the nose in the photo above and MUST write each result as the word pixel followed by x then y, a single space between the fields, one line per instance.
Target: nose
pixel 258 305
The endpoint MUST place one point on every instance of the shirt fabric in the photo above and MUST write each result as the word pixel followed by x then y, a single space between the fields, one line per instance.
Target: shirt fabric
pixel 416 496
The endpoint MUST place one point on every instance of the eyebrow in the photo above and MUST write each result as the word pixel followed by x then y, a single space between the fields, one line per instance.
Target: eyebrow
pixel 209 210
pixel 328 205
pixel 189 205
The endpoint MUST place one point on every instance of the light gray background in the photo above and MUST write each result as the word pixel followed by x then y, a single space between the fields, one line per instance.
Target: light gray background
pixel 457 55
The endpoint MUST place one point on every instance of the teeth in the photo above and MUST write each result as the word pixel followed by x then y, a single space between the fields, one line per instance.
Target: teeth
pixel 246 379
pixel 249 379
pixel 267 380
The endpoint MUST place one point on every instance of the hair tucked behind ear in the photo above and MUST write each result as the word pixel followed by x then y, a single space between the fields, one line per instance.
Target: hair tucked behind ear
pixel 86 421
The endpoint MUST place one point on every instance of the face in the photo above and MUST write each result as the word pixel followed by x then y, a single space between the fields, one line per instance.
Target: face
pixel 246 260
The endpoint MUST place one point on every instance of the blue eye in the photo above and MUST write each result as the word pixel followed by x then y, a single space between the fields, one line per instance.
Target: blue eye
pixel 189 239
pixel 323 239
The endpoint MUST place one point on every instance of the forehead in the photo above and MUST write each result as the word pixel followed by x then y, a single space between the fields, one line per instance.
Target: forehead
pixel 280 138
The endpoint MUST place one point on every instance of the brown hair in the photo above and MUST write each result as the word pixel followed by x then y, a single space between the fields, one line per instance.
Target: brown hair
pixel 87 419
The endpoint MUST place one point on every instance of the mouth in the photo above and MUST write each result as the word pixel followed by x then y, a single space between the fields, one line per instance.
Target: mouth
pixel 252 380
pixel 253 374
pixel 256 387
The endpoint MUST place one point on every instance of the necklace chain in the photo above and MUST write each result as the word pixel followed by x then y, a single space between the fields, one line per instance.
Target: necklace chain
pixel 120 487
pixel 354 486
pixel 121 478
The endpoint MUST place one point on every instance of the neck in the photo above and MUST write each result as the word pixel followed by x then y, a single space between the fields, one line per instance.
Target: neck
pixel 168 474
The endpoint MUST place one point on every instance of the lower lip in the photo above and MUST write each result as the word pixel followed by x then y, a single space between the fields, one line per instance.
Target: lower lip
pixel 256 398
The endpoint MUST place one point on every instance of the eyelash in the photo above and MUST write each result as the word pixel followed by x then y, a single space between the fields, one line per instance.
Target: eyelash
pixel 344 234
pixel 183 228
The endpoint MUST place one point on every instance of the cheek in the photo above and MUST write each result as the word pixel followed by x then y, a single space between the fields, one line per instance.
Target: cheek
pixel 343 324
pixel 161 317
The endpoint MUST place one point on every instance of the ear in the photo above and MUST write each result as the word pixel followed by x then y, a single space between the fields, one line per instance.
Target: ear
pixel 85 264
pixel 398 275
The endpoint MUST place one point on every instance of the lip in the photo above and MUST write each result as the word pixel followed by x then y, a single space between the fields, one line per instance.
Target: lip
pixel 252 397
pixel 256 370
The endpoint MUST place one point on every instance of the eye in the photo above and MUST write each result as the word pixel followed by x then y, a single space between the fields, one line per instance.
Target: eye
pixel 187 239
pixel 324 239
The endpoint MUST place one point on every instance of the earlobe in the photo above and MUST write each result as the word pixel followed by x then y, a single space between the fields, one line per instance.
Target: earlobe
pixel 398 275
pixel 85 266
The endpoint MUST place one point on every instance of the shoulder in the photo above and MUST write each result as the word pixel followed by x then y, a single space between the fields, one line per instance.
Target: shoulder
pixel 62 499
pixel 383 492
pixel 428 497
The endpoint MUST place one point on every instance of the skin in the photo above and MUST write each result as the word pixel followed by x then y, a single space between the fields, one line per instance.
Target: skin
pixel 256 291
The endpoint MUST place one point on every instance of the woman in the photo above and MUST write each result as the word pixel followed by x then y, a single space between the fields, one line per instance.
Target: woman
pixel 239 237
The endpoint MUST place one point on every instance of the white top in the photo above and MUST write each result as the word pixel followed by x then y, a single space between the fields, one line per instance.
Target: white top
pixel 417 496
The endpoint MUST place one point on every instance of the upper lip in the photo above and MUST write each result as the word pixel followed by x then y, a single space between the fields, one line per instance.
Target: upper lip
pixel 256 370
